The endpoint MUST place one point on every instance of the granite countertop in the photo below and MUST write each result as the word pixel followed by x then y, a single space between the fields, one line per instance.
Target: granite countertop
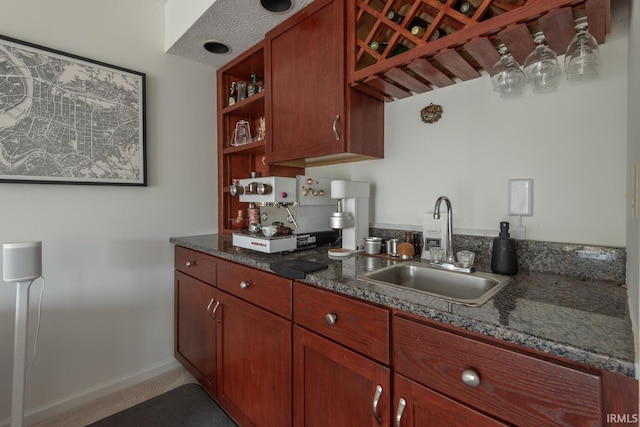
pixel 586 321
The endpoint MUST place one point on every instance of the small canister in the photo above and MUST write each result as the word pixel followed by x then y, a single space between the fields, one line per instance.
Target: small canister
pixel 253 213
pixel 392 247
pixel 373 245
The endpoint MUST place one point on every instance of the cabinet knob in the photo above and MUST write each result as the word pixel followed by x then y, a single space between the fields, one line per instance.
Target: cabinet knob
pixel 376 400
pixel 244 285
pixel 401 405
pixel 471 378
pixel 191 263
pixel 331 318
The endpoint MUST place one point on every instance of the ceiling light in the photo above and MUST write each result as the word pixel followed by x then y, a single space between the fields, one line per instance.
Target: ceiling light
pixel 276 6
pixel 216 47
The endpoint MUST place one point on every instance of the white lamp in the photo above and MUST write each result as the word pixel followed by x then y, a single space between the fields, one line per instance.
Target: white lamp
pixel 22 264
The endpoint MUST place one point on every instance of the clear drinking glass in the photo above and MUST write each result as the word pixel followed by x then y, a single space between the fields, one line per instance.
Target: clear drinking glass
pixel 582 59
pixel 466 258
pixel 506 75
pixel 541 67
pixel 436 254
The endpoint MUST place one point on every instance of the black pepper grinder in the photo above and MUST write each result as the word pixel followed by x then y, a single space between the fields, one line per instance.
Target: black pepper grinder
pixel 503 258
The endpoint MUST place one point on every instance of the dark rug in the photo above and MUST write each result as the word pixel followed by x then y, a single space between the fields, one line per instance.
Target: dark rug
pixel 185 406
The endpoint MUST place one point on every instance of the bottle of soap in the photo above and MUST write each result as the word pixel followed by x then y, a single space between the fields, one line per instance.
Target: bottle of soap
pixel 504 259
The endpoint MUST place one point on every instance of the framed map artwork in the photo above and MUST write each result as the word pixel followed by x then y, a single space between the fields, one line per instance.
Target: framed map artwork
pixel 69 120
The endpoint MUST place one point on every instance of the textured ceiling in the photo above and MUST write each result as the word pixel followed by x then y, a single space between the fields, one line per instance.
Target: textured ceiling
pixel 237 23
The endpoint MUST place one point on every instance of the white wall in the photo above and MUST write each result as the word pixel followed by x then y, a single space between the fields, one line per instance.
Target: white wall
pixel 633 158
pixel 572 142
pixel 108 307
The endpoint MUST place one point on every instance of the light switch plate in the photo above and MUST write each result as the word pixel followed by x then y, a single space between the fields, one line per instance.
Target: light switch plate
pixel 521 197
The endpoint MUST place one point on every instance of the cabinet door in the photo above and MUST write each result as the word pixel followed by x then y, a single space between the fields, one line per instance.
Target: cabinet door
pixel 254 363
pixel 195 329
pixel 334 386
pixel 418 406
pixel 306 73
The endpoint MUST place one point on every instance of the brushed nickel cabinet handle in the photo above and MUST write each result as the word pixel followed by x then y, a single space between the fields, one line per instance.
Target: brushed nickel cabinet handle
pixel 471 378
pixel 401 405
pixel 244 285
pixel 209 306
pixel 215 309
pixel 376 400
pixel 191 263
pixel 331 318
pixel 335 127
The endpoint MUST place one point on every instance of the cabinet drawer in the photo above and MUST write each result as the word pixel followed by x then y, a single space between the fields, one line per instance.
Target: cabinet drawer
pixel 516 387
pixel 264 289
pixel 196 264
pixel 358 325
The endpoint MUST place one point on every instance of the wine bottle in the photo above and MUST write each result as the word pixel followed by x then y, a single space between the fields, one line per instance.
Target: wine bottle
pixel 378 47
pixel 438 33
pixel 398 49
pixel 395 17
pixel 398 16
pixel 417 22
pixel 418 31
pixel 381 46
pixel 467 8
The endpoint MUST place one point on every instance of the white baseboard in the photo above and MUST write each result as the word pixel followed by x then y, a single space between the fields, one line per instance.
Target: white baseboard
pixel 93 393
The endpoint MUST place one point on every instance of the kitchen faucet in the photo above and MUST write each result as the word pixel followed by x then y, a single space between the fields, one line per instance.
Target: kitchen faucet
pixel 436 215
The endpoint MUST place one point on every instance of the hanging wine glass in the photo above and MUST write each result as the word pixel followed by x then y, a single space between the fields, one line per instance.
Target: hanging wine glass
pixel 541 66
pixel 506 75
pixel 582 57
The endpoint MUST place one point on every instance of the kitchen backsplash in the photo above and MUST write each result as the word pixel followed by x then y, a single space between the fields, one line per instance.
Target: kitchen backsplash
pixel 585 261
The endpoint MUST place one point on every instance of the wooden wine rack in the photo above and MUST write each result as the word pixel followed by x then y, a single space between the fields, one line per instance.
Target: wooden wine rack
pixel 467 46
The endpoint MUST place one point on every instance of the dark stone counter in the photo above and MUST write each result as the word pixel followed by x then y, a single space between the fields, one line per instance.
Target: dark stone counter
pixel 584 320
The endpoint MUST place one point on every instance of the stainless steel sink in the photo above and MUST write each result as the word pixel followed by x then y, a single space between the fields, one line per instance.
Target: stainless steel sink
pixel 463 288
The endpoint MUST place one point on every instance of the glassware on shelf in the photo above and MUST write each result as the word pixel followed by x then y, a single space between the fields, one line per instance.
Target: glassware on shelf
pixel 582 58
pixel 541 67
pixel 241 134
pixel 242 91
pixel 260 129
pixel 233 94
pixel 506 75
pixel 253 87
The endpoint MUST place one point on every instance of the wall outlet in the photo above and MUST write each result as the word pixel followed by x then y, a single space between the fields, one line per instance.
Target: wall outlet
pixel 521 197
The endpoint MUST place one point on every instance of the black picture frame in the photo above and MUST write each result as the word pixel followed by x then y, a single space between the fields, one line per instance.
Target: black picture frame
pixel 66 119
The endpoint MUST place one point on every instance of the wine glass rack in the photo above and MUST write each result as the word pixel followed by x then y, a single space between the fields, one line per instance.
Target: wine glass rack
pixel 406 47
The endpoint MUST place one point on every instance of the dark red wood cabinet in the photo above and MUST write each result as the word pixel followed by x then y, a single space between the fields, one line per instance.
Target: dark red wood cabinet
pixel 313 116
pixel 277 353
pixel 195 328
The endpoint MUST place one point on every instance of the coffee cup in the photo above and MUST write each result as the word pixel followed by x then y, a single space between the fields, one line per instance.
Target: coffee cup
pixel 269 230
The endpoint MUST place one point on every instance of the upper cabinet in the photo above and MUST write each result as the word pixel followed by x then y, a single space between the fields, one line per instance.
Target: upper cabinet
pixel 312 115
pixel 402 47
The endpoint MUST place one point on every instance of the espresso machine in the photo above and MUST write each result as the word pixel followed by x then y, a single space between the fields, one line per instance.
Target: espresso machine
pixel 352 215
pixel 299 205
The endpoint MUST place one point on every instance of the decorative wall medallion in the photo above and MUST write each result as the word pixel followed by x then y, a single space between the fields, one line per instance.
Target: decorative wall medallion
pixel 431 113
